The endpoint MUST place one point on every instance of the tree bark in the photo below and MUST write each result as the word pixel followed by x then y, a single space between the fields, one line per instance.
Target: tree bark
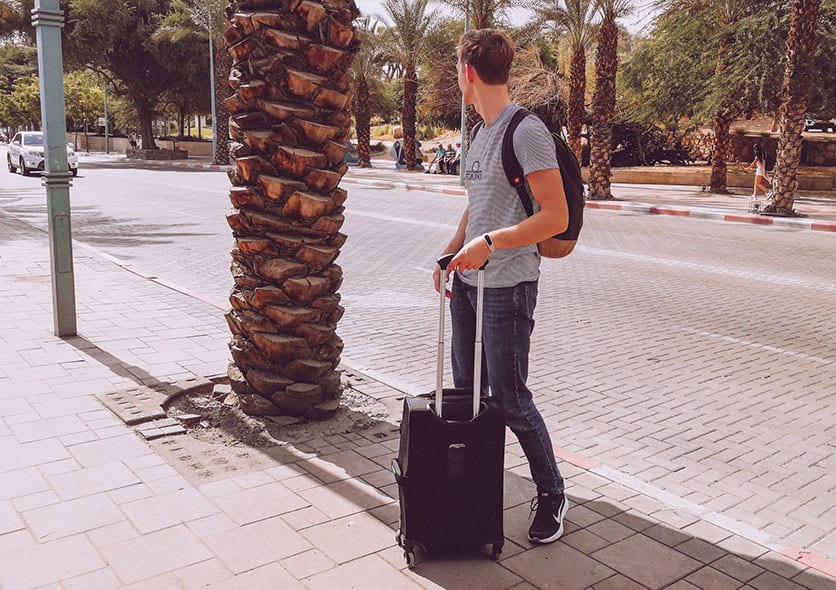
pixel 410 98
pixel 289 124
pixel 802 41
pixel 603 112
pixel 222 91
pixel 722 125
pixel 362 124
pixel 577 96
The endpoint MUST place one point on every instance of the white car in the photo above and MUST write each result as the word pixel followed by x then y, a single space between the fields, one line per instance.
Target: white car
pixel 26 154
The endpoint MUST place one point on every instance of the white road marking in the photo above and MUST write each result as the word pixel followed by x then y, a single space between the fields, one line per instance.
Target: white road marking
pixel 766 347
pixel 828 286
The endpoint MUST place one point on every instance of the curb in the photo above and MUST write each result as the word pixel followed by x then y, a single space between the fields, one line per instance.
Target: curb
pixel 637 207
pixel 627 206
pixel 715 214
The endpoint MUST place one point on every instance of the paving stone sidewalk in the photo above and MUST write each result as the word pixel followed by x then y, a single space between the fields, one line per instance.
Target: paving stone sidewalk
pixel 86 502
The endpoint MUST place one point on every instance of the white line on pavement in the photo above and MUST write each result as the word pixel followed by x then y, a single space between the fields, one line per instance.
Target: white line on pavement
pixel 817 285
pixel 382 217
pixel 188 187
pixel 760 346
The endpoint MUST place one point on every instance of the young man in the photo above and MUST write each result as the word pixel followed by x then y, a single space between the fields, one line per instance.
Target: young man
pixel 495 226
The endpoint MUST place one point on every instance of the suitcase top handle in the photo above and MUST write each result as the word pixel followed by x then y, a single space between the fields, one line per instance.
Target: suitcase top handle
pixel 443 262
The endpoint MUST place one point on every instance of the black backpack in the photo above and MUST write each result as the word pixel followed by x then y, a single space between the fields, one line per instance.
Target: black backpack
pixel 570 172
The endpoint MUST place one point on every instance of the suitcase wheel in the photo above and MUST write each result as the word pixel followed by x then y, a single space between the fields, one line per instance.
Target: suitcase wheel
pixel 496 550
pixel 409 556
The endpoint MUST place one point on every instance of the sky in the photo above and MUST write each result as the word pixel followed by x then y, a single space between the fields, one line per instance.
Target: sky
pixel 637 23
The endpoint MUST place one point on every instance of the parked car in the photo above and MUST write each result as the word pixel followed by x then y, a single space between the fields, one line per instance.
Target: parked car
pixel 26 154
pixel 811 124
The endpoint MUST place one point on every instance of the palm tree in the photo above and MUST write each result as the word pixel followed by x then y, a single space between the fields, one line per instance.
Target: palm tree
pixel 727 13
pixel 603 98
pixel 365 72
pixel 289 121
pixel 483 14
pixel 410 24
pixel 801 49
pixel 575 18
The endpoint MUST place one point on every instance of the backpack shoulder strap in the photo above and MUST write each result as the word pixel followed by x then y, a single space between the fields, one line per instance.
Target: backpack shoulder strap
pixel 510 163
pixel 476 129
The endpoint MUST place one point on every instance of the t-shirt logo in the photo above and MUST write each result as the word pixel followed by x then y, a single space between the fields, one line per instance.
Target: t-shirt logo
pixel 475 172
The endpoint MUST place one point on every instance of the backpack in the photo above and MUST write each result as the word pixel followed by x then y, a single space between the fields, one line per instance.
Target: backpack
pixel 570 172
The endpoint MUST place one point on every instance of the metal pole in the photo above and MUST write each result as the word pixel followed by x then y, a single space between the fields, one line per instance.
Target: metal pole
pixel 212 84
pixel 463 158
pixel 48 19
pixel 107 137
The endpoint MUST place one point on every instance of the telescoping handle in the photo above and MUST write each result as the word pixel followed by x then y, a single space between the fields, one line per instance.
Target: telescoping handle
pixel 443 262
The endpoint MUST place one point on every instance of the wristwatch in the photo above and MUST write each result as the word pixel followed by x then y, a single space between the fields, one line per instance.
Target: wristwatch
pixel 489 242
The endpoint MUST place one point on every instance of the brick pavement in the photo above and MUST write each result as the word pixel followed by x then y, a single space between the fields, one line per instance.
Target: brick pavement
pixel 84 503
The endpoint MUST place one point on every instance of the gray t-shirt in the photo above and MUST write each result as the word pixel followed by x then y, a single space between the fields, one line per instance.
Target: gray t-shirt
pixel 492 202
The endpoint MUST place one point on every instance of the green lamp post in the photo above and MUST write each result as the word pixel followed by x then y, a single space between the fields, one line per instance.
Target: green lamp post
pixel 48 19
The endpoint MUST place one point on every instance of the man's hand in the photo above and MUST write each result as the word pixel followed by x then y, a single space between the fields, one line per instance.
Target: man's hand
pixel 471 257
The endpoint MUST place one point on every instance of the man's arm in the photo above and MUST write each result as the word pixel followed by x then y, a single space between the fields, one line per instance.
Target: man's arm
pixel 552 218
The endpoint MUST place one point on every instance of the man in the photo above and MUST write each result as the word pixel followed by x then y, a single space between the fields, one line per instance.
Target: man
pixel 495 226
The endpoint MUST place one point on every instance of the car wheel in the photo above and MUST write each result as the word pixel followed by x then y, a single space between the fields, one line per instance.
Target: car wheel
pixel 9 164
pixel 23 169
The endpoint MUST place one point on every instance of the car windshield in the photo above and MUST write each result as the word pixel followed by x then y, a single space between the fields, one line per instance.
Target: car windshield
pixel 33 139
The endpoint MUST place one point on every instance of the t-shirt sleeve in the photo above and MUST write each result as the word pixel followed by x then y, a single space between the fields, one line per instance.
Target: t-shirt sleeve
pixel 534 146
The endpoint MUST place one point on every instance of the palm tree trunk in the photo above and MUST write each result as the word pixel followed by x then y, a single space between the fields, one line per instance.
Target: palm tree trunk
pixel 722 125
pixel 221 125
pixel 603 112
pixel 801 49
pixel 362 124
pixel 722 122
pixel 289 121
pixel 410 98
pixel 577 95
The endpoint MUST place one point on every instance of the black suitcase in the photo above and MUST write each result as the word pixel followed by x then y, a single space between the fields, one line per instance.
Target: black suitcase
pixel 450 468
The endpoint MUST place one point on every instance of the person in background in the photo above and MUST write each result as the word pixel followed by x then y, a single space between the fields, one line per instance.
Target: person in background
pixel 762 181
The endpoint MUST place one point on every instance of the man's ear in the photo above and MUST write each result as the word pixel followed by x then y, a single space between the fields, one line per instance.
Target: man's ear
pixel 470 73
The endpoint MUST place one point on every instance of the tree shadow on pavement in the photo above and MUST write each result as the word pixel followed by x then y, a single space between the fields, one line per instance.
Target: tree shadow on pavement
pixel 92 227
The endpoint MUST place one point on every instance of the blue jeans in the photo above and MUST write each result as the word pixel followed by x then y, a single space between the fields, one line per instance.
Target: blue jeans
pixel 506 340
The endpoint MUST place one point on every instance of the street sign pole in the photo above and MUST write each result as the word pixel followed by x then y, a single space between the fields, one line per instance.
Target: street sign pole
pixel 212 87
pixel 107 134
pixel 48 19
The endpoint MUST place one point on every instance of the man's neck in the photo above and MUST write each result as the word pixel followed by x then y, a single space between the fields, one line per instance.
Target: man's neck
pixel 490 102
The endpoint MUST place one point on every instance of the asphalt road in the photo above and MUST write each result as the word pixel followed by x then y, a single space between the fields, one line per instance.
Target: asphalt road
pixel 698 356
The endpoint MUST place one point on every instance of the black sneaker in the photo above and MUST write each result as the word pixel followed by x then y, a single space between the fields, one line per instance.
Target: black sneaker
pixel 548 520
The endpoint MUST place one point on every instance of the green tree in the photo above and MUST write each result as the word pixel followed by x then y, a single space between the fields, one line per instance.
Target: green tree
pixel 725 14
pixel 84 100
pixel 22 107
pixel 574 18
pixel 188 93
pixel 141 60
pixel 801 50
pixel 603 98
pixel 410 23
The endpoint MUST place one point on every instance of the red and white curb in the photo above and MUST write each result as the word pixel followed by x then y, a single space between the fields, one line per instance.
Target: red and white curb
pixel 802 556
pixel 715 214
pixel 627 206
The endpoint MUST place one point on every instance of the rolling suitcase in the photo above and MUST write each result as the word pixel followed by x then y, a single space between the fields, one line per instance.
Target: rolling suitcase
pixel 449 467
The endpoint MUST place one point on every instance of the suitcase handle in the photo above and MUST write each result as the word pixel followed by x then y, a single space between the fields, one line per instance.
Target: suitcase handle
pixel 443 262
